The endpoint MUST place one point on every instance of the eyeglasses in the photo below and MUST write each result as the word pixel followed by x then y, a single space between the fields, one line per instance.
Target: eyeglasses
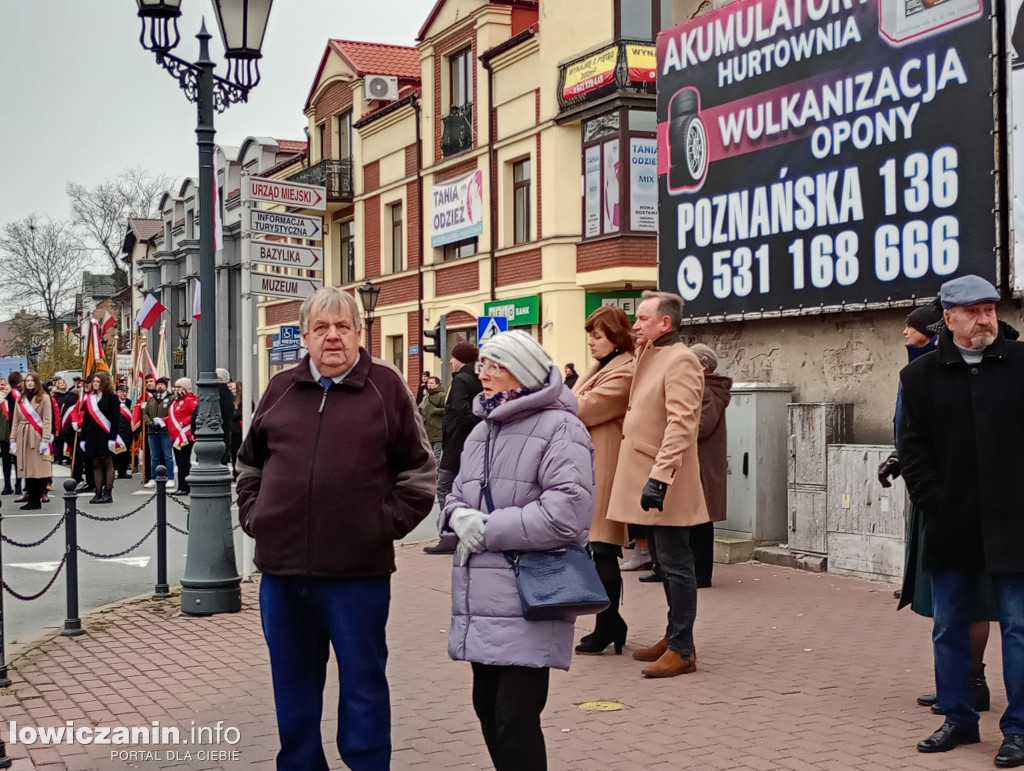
pixel 490 368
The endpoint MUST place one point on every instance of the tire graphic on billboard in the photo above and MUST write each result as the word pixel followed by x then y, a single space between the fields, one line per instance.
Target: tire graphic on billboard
pixel 687 141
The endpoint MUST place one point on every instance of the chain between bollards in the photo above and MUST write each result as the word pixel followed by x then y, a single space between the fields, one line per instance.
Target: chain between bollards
pixel 161 589
pixel 5 681
pixel 72 624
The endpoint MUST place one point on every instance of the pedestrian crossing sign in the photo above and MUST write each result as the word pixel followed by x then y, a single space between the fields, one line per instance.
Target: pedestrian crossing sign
pixel 488 326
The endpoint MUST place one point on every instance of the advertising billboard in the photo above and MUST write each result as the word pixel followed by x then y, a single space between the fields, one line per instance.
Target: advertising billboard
pixel 814 154
pixel 458 209
pixel 1015 113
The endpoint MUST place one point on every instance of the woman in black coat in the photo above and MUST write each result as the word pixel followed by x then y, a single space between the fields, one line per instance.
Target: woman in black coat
pixel 100 418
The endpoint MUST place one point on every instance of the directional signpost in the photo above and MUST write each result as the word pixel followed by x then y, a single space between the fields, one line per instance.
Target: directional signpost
pixel 286 255
pixel 277 285
pixel 277 223
pixel 488 326
pixel 288 193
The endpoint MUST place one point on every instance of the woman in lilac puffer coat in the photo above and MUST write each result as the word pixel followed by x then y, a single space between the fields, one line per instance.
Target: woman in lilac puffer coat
pixel 541 480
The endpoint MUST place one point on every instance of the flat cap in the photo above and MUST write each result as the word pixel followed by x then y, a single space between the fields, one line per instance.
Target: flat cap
pixel 967 290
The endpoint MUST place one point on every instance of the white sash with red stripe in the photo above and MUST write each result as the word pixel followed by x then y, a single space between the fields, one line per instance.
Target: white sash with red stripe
pixel 3 403
pixel 29 413
pixel 92 403
pixel 181 435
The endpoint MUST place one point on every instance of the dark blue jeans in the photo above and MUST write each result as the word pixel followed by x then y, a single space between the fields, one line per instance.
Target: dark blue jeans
pixel 160 454
pixel 952 599
pixel 302 618
pixel 670 549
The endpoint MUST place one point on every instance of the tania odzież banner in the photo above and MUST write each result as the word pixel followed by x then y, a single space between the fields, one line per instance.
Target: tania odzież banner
pixel 817 153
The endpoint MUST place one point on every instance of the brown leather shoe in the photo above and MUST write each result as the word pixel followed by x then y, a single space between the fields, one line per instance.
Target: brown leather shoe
pixel 672 663
pixel 653 653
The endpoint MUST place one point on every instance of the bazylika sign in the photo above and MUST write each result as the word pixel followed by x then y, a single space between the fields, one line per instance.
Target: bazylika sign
pixel 818 153
pixel 458 209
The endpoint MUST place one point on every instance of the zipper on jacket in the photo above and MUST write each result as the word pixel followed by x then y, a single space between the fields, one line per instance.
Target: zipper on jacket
pixel 309 484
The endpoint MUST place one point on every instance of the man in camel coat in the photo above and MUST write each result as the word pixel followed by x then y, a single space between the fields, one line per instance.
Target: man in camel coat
pixel 657 480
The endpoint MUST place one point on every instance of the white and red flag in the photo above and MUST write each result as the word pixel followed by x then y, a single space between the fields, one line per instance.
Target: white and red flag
pixel 149 312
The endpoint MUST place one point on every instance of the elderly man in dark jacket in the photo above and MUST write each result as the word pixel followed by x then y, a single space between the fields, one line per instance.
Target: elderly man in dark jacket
pixel 961 440
pixel 456 425
pixel 335 467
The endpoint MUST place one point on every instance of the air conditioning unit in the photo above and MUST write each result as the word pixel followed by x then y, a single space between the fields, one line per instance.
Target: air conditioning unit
pixel 383 88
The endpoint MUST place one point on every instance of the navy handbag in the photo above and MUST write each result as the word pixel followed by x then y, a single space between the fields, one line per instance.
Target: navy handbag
pixel 555 584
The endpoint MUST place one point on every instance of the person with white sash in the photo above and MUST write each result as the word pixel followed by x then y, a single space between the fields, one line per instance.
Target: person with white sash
pixel 31 439
pixel 99 435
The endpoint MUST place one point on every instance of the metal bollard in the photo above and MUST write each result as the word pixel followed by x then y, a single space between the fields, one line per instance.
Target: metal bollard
pixel 72 624
pixel 161 589
pixel 5 681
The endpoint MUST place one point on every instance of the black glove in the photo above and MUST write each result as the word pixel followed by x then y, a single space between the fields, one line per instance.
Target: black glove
pixel 653 495
pixel 888 469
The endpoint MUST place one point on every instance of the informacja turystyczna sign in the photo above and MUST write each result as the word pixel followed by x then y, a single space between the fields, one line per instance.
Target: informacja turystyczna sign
pixel 816 153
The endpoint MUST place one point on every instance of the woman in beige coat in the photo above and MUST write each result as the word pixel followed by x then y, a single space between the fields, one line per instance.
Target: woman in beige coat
pixel 602 394
pixel 31 438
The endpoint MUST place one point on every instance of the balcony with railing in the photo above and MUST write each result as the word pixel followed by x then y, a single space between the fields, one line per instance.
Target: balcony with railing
pixel 333 174
pixel 457 129
pixel 624 67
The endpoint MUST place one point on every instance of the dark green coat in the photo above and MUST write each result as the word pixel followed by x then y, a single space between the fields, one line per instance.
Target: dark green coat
pixel 961 440
pixel 432 410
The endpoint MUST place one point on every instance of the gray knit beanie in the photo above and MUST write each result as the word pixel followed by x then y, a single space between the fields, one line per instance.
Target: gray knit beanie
pixel 705 356
pixel 521 355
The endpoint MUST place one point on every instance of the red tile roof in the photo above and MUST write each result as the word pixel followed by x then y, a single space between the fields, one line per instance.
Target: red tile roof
pixel 379 59
pixel 294 145
pixel 146 228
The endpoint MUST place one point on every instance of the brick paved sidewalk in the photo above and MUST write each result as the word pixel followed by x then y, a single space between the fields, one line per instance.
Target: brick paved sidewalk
pixel 795 671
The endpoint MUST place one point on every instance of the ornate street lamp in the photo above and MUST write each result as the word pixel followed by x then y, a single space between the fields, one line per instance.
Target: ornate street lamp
pixel 211 581
pixel 184 329
pixel 368 294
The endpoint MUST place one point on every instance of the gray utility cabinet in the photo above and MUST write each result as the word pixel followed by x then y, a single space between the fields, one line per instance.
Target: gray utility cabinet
pixel 812 427
pixel 756 480
pixel 866 524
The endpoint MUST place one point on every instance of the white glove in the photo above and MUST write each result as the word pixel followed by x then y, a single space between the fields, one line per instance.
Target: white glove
pixel 81 445
pixel 461 554
pixel 469 525
pixel 111 445
pixel 14 448
pixel 159 422
pixel 43 449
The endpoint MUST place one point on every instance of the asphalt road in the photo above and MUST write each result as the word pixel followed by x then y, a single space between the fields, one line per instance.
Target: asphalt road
pixel 101 580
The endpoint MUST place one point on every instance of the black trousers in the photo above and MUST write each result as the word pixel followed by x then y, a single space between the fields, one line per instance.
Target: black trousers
pixel 702 541
pixel 8 464
pixel 183 466
pixel 670 549
pixel 508 701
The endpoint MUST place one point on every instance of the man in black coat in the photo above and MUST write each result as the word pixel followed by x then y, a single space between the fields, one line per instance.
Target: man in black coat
pixel 961 446
pixel 458 421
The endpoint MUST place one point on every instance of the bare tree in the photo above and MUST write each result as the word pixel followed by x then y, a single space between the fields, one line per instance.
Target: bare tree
pixel 42 261
pixel 101 213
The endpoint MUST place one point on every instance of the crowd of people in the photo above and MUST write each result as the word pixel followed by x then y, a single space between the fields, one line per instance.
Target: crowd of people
pixel 92 428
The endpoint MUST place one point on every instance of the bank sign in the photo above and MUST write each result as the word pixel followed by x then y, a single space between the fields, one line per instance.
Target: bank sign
pixel 457 209
pixel 817 153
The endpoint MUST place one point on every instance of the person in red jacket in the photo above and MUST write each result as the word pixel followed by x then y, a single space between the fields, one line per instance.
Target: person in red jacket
pixel 179 426
pixel 336 467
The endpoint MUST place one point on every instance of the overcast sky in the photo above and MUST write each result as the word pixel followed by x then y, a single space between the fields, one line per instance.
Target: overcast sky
pixel 80 100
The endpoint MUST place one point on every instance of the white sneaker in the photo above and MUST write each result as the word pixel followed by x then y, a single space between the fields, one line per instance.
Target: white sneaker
pixel 641 560
pixel 170 484
pixel 150 484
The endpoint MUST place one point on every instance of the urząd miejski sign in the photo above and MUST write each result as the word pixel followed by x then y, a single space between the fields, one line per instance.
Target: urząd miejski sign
pixel 820 152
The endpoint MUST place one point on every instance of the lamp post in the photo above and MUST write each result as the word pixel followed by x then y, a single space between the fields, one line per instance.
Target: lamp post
pixel 184 329
pixel 211 581
pixel 368 294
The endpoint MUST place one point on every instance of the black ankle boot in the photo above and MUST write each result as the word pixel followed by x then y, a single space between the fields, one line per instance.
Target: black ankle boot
pixel 106 497
pixel 611 627
pixel 97 495
pixel 982 698
pixel 610 631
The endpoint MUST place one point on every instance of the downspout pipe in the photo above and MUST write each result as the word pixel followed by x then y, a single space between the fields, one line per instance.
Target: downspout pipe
pixel 423 228
pixel 493 182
